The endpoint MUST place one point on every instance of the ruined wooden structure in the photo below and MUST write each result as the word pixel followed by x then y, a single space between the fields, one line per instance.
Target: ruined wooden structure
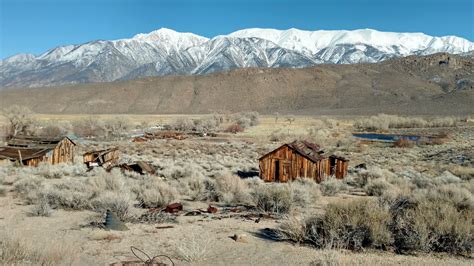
pixel 104 158
pixel 140 167
pixel 300 159
pixel 30 151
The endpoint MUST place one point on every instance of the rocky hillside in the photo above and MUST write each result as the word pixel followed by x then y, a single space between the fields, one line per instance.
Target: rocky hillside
pixel 435 84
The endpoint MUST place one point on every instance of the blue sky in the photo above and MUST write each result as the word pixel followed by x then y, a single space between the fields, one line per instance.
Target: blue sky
pixel 33 26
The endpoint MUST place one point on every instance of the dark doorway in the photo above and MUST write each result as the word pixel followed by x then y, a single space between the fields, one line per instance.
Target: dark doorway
pixel 332 165
pixel 277 171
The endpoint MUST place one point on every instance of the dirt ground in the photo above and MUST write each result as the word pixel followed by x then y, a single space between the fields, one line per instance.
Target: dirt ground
pixel 206 239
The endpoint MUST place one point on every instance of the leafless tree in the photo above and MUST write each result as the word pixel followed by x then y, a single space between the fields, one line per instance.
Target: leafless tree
pixel 20 120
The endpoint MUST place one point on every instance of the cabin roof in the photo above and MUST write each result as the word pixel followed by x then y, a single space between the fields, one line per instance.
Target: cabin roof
pixel 100 152
pixel 13 153
pixel 339 157
pixel 309 150
pixel 37 141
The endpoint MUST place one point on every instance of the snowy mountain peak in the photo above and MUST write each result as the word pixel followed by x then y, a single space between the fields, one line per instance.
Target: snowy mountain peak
pixel 19 58
pixel 166 33
pixel 314 41
pixel 168 39
pixel 168 52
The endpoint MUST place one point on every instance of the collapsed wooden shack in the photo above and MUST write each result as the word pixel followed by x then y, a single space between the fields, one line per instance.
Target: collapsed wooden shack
pixel 106 158
pixel 300 159
pixel 140 167
pixel 30 151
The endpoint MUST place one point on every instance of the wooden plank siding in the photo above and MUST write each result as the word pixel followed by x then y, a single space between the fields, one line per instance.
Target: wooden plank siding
pixel 62 153
pixel 340 169
pixel 284 164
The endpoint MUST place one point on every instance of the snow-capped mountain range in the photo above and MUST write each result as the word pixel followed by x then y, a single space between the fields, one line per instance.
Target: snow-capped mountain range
pixel 167 52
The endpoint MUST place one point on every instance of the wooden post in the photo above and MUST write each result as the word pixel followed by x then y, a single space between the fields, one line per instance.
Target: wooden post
pixel 21 159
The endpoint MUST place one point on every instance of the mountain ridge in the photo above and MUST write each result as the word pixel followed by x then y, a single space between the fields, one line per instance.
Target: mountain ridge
pixel 167 52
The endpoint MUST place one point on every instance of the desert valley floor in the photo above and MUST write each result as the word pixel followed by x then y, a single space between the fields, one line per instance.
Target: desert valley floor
pixel 53 214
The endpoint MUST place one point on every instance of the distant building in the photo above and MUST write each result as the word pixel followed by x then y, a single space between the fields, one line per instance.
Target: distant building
pixel 300 159
pixel 30 151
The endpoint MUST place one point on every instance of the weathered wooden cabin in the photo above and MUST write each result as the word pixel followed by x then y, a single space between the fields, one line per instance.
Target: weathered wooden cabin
pixel 31 151
pixel 339 166
pixel 300 159
pixel 104 158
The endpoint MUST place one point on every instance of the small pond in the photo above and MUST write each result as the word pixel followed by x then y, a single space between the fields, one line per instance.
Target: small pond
pixel 388 137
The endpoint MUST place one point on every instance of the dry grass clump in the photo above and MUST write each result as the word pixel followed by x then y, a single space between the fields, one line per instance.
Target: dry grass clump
pixel 328 258
pixel 247 119
pixel 377 187
pixel 97 193
pixel 119 203
pixel 363 177
pixel 332 186
pixel 423 221
pixel 27 188
pixel 304 191
pixel 100 235
pixel 293 229
pixel 384 122
pixel 423 181
pixel 194 249
pixel 207 124
pixel 226 188
pixel 351 225
pixel 274 198
pixel 195 187
pixel 464 172
pixel 16 250
pixel 69 195
pixel 420 224
pixel 155 193
pixel 41 208
pixel 231 189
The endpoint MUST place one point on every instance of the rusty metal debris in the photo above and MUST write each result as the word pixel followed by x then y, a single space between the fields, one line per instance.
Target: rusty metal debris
pixel 211 209
pixel 144 259
pixel 174 207
pixel 164 227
